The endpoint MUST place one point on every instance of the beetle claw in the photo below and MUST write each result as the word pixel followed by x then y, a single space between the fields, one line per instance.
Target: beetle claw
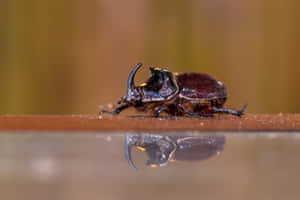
pixel 116 111
pixel 241 112
pixel 102 111
pixel 108 112
pixel 122 100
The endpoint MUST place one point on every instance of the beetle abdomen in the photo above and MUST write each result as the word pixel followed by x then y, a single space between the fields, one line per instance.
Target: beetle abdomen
pixel 198 148
pixel 200 86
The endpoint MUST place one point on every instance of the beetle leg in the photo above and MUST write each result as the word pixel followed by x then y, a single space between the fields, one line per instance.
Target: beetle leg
pixel 193 113
pixel 116 111
pixel 122 100
pixel 160 110
pixel 231 112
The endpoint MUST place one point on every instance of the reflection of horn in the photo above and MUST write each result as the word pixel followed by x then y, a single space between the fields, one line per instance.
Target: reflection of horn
pixel 128 148
pixel 130 81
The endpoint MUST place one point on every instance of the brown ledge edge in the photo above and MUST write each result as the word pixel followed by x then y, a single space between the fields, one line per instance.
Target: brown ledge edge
pixel 87 123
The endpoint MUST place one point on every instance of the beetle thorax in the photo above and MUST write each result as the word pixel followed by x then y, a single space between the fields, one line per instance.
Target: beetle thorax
pixel 161 86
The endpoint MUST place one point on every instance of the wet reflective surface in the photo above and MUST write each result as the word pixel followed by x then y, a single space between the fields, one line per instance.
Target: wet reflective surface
pixel 94 166
pixel 162 148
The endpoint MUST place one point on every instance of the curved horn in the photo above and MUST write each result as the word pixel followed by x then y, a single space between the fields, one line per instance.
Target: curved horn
pixel 128 147
pixel 130 81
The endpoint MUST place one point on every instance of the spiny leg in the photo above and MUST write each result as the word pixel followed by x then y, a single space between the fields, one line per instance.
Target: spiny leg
pixel 193 113
pixel 231 112
pixel 116 111
pixel 160 110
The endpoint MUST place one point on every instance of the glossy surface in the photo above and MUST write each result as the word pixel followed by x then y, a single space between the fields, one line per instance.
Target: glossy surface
pixel 202 86
pixel 162 149
pixel 93 166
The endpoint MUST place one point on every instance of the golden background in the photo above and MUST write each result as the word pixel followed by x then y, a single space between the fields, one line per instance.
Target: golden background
pixel 69 57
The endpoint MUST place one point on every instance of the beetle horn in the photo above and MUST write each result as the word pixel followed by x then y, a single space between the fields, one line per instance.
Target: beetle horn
pixel 130 81
pixel 128 148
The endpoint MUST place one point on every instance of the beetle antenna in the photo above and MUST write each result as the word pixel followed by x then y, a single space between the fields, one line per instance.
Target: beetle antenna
pixel 128 148
pixel 130 81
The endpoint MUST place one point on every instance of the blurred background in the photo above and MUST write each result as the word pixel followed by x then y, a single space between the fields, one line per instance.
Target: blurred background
pixel 69 57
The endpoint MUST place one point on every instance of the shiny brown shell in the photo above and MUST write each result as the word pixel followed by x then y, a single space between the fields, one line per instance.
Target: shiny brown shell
pixel 200 86
pixel 198 148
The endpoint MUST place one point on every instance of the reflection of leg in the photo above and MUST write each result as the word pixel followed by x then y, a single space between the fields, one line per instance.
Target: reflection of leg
pixel 186 111
pixel 160 110
pixel 231 112
pixel 116 111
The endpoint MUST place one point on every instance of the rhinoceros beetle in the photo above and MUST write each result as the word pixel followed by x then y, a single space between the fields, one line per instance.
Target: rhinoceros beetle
pixel 161 148
pixel 177 94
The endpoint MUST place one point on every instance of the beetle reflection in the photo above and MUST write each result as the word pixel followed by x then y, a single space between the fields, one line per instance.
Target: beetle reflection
pixel 162 149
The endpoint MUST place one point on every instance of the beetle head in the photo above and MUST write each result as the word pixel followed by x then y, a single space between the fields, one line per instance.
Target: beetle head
pixel 160 86
pixel 158 148
pixel 157 79
pixel 158 155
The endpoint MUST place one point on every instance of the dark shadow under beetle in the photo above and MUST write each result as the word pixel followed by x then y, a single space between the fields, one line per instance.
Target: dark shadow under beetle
pixel 177 94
